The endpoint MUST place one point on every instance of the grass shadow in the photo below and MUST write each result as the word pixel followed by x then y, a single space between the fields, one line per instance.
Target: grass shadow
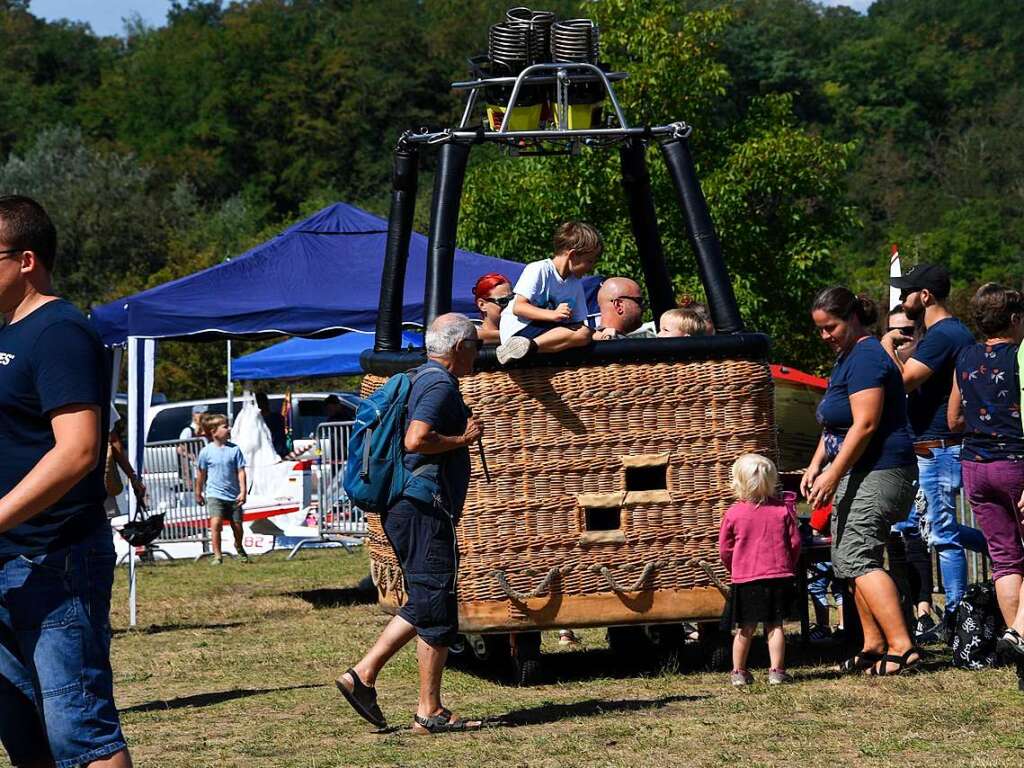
pixel 159 629
pixel 335 598
pixel 207 699
pixel 569 667
pixel 553 713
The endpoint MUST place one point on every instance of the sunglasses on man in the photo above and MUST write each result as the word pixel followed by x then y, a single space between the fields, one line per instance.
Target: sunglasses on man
pixel 904 292
pixel 638 299
pixel 906 330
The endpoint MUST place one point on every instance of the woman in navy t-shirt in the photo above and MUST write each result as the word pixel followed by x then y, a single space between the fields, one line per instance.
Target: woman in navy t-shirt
pixel 985 404
pixel 865 459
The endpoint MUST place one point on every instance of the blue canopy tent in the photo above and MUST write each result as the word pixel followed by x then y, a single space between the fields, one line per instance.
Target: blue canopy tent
pixel 308 358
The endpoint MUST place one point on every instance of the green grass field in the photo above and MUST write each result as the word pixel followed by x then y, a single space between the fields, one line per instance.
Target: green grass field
pixel 234 666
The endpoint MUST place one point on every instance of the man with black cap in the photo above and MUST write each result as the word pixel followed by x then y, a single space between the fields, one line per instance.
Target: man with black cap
pixel 928 379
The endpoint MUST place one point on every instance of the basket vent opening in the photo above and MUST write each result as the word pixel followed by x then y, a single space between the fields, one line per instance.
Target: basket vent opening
pixel 602 518
pixel 650 478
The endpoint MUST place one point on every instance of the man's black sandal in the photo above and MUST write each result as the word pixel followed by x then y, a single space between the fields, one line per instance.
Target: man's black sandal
pixel 443 722
pixel 860 662
pixel 363 699
pixel 903 664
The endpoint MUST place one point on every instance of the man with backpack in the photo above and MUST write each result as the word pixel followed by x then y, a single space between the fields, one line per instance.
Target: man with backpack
pixel 419 492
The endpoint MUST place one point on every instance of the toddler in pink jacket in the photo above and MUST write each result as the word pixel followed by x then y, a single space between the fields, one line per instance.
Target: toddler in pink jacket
pixel 759 543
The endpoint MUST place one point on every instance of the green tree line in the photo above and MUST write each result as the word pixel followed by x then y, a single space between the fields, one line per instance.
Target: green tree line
pixel 821 136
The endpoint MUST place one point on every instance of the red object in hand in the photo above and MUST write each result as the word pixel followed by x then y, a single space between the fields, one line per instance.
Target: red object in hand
pixel 820 517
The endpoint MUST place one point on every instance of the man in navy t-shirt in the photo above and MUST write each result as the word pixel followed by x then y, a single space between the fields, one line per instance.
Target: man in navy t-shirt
pixel 439 431
pixel 56 549
pixel 928 379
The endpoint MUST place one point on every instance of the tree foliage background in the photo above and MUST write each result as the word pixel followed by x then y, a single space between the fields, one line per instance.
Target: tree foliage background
pixel 821 135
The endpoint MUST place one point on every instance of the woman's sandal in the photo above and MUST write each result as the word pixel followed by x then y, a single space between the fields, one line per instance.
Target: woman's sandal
pixel 860 662
pixel 363 699
pixel 903 664
pixel 1010 644
pixel 443 722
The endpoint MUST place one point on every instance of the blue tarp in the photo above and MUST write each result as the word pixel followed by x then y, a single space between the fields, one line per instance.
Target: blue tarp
pixel 302 358
pixel 318 277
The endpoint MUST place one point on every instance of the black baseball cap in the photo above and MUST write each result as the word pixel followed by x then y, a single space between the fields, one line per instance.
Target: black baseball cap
pixel 924 276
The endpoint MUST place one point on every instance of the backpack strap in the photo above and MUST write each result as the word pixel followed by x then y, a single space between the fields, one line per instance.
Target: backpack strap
pixel 428 470
pixel 423 370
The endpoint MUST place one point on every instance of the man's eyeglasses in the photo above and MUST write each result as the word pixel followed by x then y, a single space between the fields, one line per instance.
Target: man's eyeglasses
pixel 906 330
pixel 638 299
pixel 502 301
pixel 8 254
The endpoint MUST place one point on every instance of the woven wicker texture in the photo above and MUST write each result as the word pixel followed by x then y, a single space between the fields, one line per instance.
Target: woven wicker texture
pixel 551 434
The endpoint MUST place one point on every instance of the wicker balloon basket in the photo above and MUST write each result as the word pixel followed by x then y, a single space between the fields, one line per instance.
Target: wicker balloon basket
pixel 608 485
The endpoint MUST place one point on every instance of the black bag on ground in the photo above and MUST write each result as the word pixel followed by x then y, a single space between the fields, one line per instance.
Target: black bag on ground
pixel 975 627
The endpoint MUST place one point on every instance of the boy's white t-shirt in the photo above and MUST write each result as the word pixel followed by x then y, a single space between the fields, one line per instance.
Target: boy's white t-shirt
pixel 541 284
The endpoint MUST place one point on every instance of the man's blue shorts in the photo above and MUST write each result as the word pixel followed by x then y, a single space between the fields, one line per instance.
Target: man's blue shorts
pixel 55 655
pixel 423 538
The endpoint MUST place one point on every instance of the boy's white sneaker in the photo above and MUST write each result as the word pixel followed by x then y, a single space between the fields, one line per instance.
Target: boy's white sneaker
pixel 515 348
pixel 778 677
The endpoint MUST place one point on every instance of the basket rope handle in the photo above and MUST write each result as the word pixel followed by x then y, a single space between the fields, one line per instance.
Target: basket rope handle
pixel 638 585
pixel 538 591
pixel 706 567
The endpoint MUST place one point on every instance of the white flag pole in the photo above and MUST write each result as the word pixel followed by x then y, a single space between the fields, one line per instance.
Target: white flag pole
pixel 895 270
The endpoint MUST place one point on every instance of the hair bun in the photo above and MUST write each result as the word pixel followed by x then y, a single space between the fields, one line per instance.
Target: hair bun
pixel 867 310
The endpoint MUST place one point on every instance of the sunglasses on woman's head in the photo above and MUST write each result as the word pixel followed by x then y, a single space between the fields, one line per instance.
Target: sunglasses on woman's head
pixel 502 301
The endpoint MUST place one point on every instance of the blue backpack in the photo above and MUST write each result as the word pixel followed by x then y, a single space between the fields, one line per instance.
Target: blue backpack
pixel 375 474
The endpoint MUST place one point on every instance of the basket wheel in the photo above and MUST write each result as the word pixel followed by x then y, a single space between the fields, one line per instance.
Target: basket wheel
pixel 527 672
pixel 716 648
pixel 666 639
pixel 526 661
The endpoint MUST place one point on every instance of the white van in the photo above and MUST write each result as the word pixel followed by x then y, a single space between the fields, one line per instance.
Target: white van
pixel 169 419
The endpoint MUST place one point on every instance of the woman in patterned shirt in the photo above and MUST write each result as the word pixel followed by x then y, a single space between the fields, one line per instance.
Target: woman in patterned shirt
pixel 985 404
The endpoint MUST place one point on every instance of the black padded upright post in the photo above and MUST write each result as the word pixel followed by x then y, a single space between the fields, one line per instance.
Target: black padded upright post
pixel 444 222
pixel 396 252
pixel 725 313
pixel 636 182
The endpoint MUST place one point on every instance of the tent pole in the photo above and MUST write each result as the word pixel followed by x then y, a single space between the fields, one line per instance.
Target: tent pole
pixel 230 389
pixel 725 313
pixel 444 222
pixel 396 254
pixel 636 182
pixel 134 455
pixel 141 356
